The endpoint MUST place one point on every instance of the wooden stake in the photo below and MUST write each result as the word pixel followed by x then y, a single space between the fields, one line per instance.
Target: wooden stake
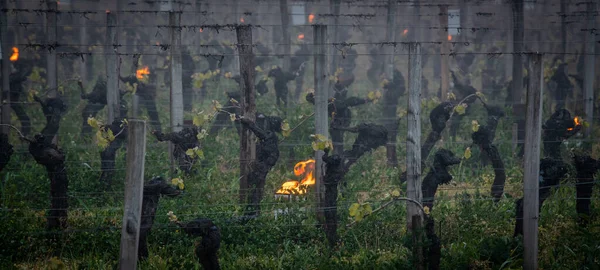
pixel 134 187
pixel 389 110
pixel 445 73
pixel 517 70
pixel 533 135
pixel 285 24
pixel 176 98
pixel 589 62
pixel 417 225
pixel 83 72
pixel 112 75
pixel 247 72
pixel 508 58
pixel 419 30
pixel 334 8
pixel 390 36
pixel 413 139
pixel 517 67
pixel 321 117
pixel 236 62
pixel 564 9
pixel 6 53
pixel 51 74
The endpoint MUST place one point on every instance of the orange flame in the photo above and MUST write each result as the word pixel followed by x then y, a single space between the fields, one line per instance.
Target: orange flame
pixel 302 168
pixel 449 37
pixel 141 72
pixel 405 32
pixel 242 19
pixel 15 55
pixel 300 36
pixel 311 18
pixel 576 121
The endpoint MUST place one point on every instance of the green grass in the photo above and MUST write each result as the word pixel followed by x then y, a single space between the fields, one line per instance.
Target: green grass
pixel 475 232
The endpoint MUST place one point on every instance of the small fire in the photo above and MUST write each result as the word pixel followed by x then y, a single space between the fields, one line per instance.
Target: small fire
pixel 242 20
pixel 405 32
pixel 141 72
pixel 301 36
pixel 305 169
pixel 449 37
pixel 576 121
pixel 201 30
pixel 15 55
pixel 311 18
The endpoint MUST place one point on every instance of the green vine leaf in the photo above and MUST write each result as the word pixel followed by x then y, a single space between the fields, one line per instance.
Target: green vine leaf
pixel 359 211
pixel 285 129
pixel 178 182
pixel 474 125
pixel 460 109
pixel 320 142
pixel 467 154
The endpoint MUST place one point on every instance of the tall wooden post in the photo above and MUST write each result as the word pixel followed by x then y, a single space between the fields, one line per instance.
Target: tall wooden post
pixel 334 8
pixel 533 135
pixel 564 9
pixel 589 65
pixel 391 98
pixel 176 97
pixel 247 72
pixel 419 29
pixel 413 138
pixel 517 67
pixel 238 20
pixel 51 25
pixel 445 73
pixel 83 72
pixel 508 58
pixel 6 52
pixel 390 36
pixel 135 106
pixel 112 74
pixel 465 21
pixel 321 118
pixel 134 189
pixel 285 25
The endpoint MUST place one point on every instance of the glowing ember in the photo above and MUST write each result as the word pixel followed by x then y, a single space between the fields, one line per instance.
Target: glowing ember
pixel 311 18
pixel 405 32
pixel 141 72
pixel 449 37
pixel 303 169
pixel 301 36
pixel 242 19
pixel 15 55
pixel 576 121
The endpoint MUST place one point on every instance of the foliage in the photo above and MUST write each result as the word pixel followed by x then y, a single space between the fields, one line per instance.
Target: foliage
pixel 195 152
pixel 104 135
pixel 475 232
pixel 320 142
pixel 467 154
pixel 474 125
pixel 359 210
pixel 460 108
pixel 199 78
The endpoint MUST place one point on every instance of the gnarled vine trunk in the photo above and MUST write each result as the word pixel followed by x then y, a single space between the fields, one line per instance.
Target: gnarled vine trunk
pixel 6 150
pixel 152 193
pixel 52 158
